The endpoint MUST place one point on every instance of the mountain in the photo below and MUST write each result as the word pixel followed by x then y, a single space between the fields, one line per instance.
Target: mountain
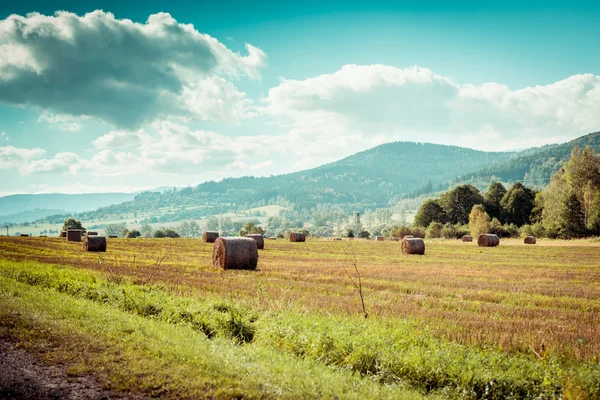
pixel 372 178
pixel 78 203
pixel 30 215
pixel 534 167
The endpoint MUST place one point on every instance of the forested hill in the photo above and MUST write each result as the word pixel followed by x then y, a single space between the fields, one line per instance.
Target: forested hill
pixel 534 167
pixel 373 177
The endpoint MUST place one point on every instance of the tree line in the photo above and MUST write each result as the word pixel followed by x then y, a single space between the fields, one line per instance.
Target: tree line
pixel 569 207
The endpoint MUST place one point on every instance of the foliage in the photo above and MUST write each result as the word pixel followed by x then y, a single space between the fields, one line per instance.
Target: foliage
pixel 132 234
pixel 71 223
pixel 493 198
pixel 518 203
pixel 189 229
pixel 434 230
pixel 572 218
pixel 430 211
pixel 165 233
pixel 479 221
pixel 459 202
pixel 251 228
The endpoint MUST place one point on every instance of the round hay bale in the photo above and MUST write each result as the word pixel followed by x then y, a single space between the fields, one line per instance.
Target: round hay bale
pixel 90 233
pixel 43 235
pixel 94 243
pixel 413 246
pixel 74 235
pixel 467 238
pixel 210 236
pixel 112 236
pixel 260 240
pixel 530 240
pixel 488 240
pixel 297 237
pixel 63 234
pixel 337 238
pixel 380 238
pixel 235 253
pixel 24 235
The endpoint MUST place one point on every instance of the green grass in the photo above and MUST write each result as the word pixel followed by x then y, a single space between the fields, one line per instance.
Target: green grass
pixel 284 353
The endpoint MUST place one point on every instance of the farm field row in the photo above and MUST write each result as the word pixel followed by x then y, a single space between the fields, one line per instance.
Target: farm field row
pixel 494 311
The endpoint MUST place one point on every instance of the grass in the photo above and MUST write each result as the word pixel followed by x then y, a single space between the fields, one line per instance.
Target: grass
pixel 462 322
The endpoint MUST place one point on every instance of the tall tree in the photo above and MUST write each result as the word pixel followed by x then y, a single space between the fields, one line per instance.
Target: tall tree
pixel 518 203
pixel 493 198
pixel 572 218
pixel 459 202
pixel 479 221
pixel 582 173
pixel 72 223
pixel 430 211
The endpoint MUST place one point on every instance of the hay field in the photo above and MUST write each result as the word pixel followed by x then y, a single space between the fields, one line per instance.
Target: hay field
pixel 459 322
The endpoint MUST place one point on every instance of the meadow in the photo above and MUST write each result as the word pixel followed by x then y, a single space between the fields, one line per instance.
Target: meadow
pixel 153 316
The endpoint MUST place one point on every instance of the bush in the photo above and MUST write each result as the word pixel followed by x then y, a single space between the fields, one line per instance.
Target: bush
pixel 132 234
pixel 434 230
pixel 418 231
pixel 166 233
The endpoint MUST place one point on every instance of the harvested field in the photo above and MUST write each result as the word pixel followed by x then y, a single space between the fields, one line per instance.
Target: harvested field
pixel 539 302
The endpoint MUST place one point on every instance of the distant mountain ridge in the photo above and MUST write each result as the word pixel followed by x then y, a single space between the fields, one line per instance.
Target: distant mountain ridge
pixel 19 203
pixel 534 167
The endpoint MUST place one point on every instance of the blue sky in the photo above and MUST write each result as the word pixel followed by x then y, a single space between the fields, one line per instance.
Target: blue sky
pixel 104 104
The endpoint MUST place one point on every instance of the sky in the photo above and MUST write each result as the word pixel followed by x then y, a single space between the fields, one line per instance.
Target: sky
pixel 104 96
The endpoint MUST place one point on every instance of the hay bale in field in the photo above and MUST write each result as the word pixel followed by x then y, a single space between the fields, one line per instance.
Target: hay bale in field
pixel 74 235
pixel 94 243
pixel 336 238
pixel 210 236
pixel 112 236
pixel 43 235
pixel 260 240
pixel 488 240
pixel 380 238
pixel 297 237
pixel 530 240
pixel 467 238
pixel 24 235
pixel 90 233
pixel 63 234
pixel 235 253
pixel 413 246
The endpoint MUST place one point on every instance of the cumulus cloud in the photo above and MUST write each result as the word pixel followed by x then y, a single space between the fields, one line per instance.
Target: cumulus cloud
pixel 61 163
pixel 18 158
pixel 119 71
pixel 418 105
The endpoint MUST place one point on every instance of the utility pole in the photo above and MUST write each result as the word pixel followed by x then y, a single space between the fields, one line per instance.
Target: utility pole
pixel 357 217
pixel 6 230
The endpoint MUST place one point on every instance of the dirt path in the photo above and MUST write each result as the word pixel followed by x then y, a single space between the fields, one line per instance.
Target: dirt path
pixel 24 376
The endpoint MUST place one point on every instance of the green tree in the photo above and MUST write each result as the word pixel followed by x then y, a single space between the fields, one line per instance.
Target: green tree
pixel 132 234
pixel 572 218
pixel 459 202
pixel 251 228
pixel 582 173
pixel 430 211
pixel 166 233
pixel 71 223
pixel 434 230
pixel 518 204
pixel 479 221
pixel 384 215
pixel 493 198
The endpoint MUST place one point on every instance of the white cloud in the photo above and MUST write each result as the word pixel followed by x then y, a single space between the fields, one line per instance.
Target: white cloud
pixel 119 139
pixel 62 122
pixel 4 136
pixel 18 158
pixel 416 104
pixel 61 163
pixel 119 71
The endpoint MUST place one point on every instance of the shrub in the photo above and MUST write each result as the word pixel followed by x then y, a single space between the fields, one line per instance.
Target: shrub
pixel 434 230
